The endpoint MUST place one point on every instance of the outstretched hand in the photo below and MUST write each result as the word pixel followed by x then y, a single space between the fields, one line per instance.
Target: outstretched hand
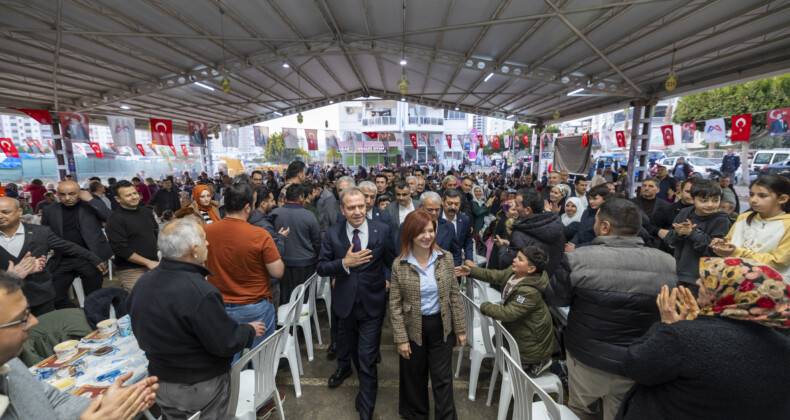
pixel 463 271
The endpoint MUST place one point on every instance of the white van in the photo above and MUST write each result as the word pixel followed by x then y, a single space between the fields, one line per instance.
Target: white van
pixel 767 157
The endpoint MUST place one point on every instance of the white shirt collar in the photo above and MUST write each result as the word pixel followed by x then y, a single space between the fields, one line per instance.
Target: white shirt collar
pixel 411 205
pixel 363 228
pixel 370 214
pixel 19 231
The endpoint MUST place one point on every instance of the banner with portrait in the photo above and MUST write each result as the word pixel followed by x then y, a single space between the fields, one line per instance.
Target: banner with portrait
pixel 331 139
pixel 261 135
pixel 198 136
pixel 76 127
pixel 230 137
pixel 290 138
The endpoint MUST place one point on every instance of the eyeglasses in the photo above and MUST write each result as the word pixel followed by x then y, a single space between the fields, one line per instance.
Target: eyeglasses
pixel 21 321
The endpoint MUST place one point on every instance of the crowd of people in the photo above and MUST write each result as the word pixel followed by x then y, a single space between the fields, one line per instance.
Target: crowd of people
pixel 671 293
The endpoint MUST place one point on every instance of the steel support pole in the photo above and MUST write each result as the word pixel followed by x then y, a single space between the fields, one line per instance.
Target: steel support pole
pixel 640 141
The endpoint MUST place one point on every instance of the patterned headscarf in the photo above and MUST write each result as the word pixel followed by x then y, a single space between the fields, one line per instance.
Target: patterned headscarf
pixel 744 289
pixel 564 189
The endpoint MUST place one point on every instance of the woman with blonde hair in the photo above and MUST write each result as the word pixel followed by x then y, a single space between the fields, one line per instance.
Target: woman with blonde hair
pixel 427 319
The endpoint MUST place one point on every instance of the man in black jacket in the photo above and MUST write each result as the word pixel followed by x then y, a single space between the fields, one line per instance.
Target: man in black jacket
pixel 17 240
pixel 611 288
pixel 536 227
pixel 180 322
pixel 263 217
pixel 166 198
pixel 658 211
pixel 77 218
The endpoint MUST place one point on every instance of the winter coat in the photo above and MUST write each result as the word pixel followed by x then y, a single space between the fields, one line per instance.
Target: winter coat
pixel 730 163
pixel 524 314
pixel 543 230
pixel 690 248
pixel 266 221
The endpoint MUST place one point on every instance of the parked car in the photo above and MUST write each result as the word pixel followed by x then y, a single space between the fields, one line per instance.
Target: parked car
pixel 752 176
pixel 768 157
pixel 779 168
pixel 700 167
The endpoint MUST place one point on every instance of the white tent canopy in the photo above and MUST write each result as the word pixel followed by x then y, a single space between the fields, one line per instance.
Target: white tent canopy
pixel 496 58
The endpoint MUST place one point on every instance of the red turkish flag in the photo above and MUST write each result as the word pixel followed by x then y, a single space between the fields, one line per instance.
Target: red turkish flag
pixel 8 148
pixel 42 116
pixel 173 148
pixel 184 149
pixel 141 148
pixel 585 139
pixel 51 145
pixel 480 140
pixel 496 142
pixel 525 138
pixel 413 138
pixel 312 138
pixel 741 127
pixel 449 138
pixel 668 133
pixel 162 132
pixel 97 150
pixel 620 135
pixel 38 144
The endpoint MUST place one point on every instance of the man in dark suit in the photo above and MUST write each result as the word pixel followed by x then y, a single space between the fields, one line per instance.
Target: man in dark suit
pixel 77 218
pixel 18 240
pixel 445 232
pixel 451 203
pixel 401 207
pixel 355 253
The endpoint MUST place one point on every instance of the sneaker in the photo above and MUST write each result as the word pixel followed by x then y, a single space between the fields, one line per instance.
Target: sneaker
pixel 536 369
pixel 268 409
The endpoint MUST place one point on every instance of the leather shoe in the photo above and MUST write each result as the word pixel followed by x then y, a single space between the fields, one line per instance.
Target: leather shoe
pixel 339 376
pixel 331 352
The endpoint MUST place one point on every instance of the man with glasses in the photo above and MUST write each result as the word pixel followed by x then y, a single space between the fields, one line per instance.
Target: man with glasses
pixel 24 397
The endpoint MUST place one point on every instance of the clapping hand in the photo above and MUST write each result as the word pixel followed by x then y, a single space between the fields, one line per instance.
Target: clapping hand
pixel 721 247
pixel 355 259
pixel 678 305
pixel 27 265
pixel 123 402
pixel 552 207
pixel 683 229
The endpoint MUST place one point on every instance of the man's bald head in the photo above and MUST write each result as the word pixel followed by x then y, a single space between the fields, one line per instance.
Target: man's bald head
pixel 69 193
pixel 6 202
pixel 10 212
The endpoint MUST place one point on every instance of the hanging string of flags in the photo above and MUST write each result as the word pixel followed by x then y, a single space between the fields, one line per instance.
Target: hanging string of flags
pixel 75 128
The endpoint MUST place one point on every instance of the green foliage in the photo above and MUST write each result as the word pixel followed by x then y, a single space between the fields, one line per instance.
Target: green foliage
pixel 276 152
pixel 333 155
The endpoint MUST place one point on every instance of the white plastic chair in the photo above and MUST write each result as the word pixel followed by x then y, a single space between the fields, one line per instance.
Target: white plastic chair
pixel 485 293
pixel 312 309
pixel 78 291
pixel 549 382
pixel 302 320
pixel 290 347
pixel 195 416
pixel 479 339
pixel 524 390
pixel 251 388
pixel 324 291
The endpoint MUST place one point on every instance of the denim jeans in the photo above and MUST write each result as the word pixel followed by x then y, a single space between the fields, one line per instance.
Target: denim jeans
pixel 262 311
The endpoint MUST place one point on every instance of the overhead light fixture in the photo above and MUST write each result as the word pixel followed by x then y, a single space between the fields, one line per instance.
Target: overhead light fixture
pixel 403 99
pixel 510 116
pixel 277 114
pixel 576 91
pixel 402 61
pixel 125 107
pixel 490 75
pixel 331 101
pixel 286 65
pixel 456 108
pixel 204 86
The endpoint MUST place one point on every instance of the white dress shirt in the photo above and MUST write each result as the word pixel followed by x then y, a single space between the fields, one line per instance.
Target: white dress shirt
pixel 455 219
pixel 13 245
pixel 404 211
pixel 370 214
pixel 363 237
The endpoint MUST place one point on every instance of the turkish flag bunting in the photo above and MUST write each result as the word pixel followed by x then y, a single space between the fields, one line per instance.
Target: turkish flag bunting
pixel 668 133
pixel 480 140
pixel 141 148
pixel 413 138
pixel 184 149
pixel 620 136
pixel 97 150
pixel 40 115
pixel 162 132
pixel 51 145
pixel 741 127
pixel 8 148
pixel 525 138
pixel 449 138
pixel 585 139
pixel 173 148
pixel 153 148
pixel 496 142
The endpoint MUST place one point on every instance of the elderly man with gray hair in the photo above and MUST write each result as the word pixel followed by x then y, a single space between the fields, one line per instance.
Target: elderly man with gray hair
pixel 445 232
pixel 180 321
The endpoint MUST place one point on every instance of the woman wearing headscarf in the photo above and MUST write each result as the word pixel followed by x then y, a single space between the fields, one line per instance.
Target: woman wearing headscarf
pixel 721 356
pixel 557 196
pixel 572 216
pixel 480 208
pixel 203 205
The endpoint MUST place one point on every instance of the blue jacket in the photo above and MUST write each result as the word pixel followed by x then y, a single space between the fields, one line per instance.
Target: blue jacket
pixel 366 281
pixel 585 234
pixel 463 234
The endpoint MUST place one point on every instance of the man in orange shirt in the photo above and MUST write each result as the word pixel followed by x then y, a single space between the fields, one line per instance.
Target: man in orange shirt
pixel 243 258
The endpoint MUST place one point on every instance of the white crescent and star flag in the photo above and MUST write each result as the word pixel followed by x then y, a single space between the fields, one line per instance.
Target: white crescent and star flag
pixel 161 132
pixel 122 130
pixel 668 133
pixel 9 148
pixel 741 127
pixel 715 131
